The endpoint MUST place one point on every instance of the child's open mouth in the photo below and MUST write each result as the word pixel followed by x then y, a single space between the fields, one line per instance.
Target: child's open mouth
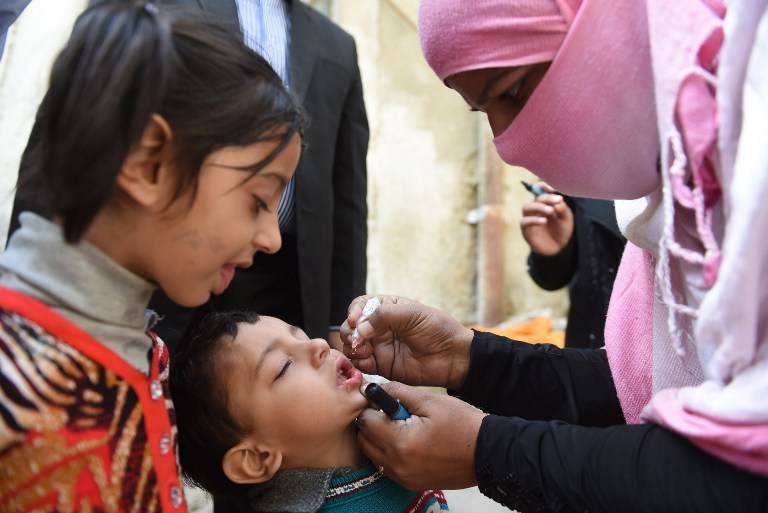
pixel 347 374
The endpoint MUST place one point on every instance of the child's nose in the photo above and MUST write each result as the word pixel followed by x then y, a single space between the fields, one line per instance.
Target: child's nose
pixel 319 351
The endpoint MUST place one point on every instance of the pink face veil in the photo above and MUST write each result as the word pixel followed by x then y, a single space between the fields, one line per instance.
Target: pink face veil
pixel 589 128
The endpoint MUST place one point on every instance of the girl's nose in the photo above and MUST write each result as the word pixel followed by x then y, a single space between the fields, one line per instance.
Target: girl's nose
pixel 319 351
pixel 267 238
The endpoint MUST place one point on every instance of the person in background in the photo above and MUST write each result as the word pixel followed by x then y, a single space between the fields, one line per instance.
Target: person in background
pixel 321 266
pixel 575 242
pixel 9 11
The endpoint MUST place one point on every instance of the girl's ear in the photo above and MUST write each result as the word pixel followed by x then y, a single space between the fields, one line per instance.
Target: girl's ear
pixel 146 175
pixel 246 463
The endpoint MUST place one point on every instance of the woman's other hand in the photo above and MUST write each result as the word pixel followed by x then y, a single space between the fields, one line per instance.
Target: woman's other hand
pixel 407 341
pixel 547 223
pixel 433 449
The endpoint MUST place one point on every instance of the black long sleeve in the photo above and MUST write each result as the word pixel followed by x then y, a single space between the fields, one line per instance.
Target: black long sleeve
pixel 541 382
pixel 537 466
pixel 556 271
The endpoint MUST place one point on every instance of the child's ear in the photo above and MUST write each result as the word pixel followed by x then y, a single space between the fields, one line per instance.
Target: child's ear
pixel 246 463
pixel 145 175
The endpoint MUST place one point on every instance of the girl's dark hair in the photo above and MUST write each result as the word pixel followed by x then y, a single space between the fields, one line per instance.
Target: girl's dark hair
pixel 206 429
pixel 129 59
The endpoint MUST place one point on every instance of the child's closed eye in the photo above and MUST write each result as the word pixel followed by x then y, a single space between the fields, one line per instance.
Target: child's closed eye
pixel 284 369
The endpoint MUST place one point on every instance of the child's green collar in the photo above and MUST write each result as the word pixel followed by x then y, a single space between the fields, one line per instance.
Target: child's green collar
pixel 301 490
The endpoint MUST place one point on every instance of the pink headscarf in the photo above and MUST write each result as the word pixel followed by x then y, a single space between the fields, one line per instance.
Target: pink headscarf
pixel 586 132
pixel 687 333
pixel 454 33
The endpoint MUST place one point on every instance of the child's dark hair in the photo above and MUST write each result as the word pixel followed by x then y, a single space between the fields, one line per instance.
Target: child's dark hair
pixel 206 429
pixel 129 59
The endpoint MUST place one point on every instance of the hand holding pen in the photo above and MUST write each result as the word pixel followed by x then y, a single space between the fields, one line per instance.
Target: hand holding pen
pixel 434 447
pixel 547 223
pixel 410 342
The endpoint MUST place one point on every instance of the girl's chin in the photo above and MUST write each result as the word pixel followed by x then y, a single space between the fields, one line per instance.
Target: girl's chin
pixel 188 300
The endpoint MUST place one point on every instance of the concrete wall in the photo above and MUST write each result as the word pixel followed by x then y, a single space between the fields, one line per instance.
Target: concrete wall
pixel 422 161
pixel 421 165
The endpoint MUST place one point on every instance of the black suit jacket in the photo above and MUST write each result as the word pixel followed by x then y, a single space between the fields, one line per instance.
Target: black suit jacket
pixel 330 209
pixel 331 180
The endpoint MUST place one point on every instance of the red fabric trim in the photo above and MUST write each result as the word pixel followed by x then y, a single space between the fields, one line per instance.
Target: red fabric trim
pixel 155 413
pixel 418 504
pixel 66 330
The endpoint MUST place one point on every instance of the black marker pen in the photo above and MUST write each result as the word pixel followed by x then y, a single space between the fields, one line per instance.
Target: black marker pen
pixel 388 404
pixel 534 188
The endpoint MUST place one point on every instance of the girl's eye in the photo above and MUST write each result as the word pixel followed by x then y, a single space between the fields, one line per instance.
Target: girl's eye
pixel 284 369
pixel 259 205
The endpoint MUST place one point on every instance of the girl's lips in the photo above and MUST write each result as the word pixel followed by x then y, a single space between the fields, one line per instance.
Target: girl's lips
pixel 226 275
pixel 346 374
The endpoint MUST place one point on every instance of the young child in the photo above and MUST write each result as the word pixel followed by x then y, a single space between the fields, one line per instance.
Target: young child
pixel 267 417
pixel 164 145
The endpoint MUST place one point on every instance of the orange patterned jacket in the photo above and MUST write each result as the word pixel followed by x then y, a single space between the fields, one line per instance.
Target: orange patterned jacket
pixel 81 430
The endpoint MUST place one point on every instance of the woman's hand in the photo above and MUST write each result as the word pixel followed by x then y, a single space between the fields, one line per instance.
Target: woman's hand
pixel 547 223
pixel 406 341
pixel 434 449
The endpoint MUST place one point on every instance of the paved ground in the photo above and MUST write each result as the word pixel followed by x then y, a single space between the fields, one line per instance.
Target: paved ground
pixel 470 500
